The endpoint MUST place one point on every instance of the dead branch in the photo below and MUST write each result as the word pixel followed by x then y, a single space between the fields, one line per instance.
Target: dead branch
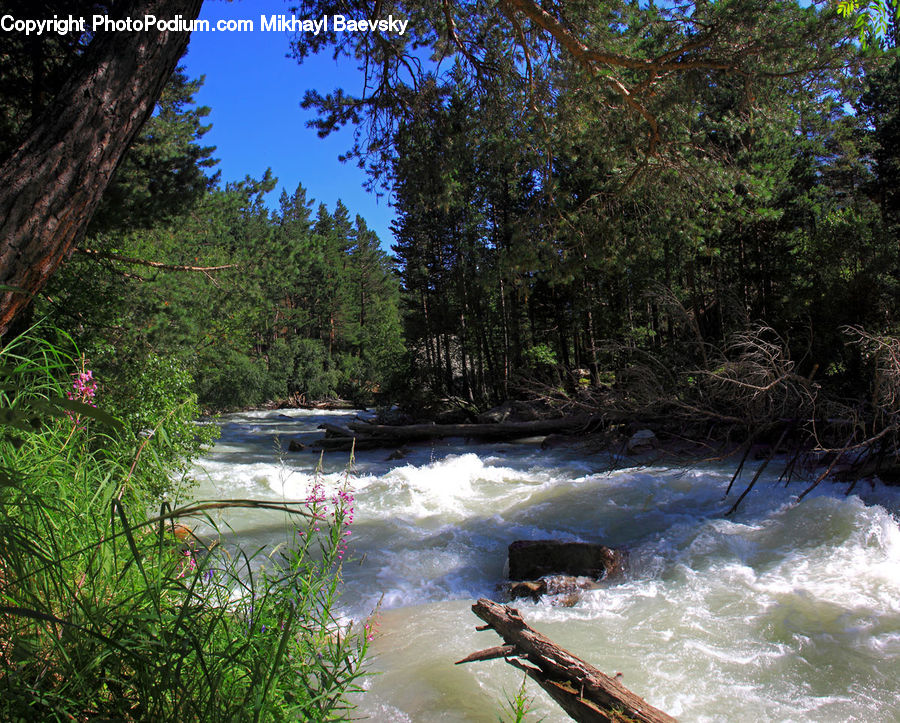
pixel 152 264
pixel 884 351
pixel 583 691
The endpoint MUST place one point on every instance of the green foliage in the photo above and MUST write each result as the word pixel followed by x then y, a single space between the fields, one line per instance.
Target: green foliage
pixel 529 217
pixel 164 171
pixel 286 286
pixel 105 614
pixel 314 377
pixel 873 19
pixel 235 380
pixel 300 309
pixel 540 355
pixel 154 397
pixel 518 706
pixel 294 303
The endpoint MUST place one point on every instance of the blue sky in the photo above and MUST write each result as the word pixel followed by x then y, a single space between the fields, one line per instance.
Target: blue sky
pixel 254 92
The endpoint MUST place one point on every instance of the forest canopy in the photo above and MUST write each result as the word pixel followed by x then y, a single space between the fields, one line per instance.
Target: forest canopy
pixel 579 185
pixel 575 185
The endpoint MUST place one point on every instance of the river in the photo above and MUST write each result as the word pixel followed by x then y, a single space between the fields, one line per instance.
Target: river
pixel 785 611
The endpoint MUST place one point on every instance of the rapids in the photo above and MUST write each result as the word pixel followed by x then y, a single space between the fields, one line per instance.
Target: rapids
pixel 782 612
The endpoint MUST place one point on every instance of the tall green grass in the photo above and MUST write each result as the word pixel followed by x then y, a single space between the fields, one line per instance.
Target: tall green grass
pixel 106 615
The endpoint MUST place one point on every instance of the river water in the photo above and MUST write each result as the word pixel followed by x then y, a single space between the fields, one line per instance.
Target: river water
pixel 785 611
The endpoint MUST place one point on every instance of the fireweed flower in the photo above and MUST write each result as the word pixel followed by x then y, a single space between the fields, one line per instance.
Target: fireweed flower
pixel 340 512
pixel 343 506
pixel 84 390
pixel 371 627
pixel 189 564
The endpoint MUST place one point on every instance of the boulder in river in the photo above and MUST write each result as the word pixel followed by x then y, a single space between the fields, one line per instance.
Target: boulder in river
pixel 559 570
pixel 552 441
pixel 525 588
pixel 394 416
pixel 401 453
pixel 296 446
pixel 452 416
pixel 642 441
pixel 534 559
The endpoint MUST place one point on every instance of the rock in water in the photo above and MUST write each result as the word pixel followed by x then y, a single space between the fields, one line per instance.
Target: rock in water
pixel 514 411
pixel 528 588
pixel 642 441
pixel 452 416
pixel 401 453
pixel 533 559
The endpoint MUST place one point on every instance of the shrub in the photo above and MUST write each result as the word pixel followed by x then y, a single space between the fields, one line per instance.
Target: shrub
pixel 280 364
pixel 231 380
pixel 153 396
pixel 539 356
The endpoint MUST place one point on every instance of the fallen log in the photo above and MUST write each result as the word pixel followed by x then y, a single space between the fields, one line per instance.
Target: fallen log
pixel 486 430
pixel 583 691
pixel 369 436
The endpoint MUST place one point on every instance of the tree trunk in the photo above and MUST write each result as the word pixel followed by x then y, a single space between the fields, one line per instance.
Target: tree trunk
pixel 51 184
pixel 584 692
pixel 376 436
pixel 505 339
pixel 448 365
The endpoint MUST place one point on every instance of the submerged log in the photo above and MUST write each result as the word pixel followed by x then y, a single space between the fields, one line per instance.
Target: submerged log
pixel 371 436
pixel 583 691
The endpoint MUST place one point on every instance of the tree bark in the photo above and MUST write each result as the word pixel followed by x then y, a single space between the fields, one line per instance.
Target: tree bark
pixel 51 184
pixel 583 691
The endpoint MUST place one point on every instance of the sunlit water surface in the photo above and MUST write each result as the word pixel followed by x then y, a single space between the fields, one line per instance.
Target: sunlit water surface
pixel 782 612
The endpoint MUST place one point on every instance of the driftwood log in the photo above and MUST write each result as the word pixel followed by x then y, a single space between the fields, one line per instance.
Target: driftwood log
pixel 584 692
pixel 375 436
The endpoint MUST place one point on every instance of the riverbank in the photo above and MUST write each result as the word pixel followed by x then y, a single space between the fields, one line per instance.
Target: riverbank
pixel 328 404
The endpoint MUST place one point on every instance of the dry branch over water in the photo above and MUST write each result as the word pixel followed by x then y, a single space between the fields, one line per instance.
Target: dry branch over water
pixel 583 691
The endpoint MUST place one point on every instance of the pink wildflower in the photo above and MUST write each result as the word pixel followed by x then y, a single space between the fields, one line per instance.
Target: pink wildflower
pixel 84 389
pixel 188 565
pixel 370 628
